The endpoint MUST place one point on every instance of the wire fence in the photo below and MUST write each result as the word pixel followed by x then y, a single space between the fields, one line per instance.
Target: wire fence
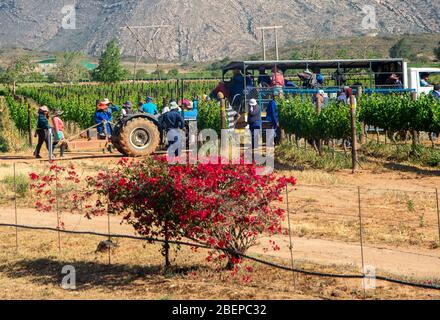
pixel 362 217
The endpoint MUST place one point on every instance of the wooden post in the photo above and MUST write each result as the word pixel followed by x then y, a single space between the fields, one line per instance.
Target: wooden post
pixel 318 111
pixel 354 156
pixel 29 121
pixel 223 113
pixel 415 134
pixel 363 133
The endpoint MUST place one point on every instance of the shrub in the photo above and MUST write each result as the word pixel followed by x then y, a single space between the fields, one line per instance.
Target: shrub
pixel 224 206
pixel 21 184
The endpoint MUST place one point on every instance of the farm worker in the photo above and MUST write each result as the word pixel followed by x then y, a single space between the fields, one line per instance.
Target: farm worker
pixel 272 117
pixel 322 97
pixel 424 82
pixel 342 97
pixel 127 109
pixel 103 114
pixel 263 79
pixel 277 78
pixel 320 79
pixel 192 110
pixel 42 131
pixel 236 88
pixel 149 107
pixel 58 126
pixel 255 121
pixel 111 108
pixel 173 121
pixel 221 87
pixel 436 92
pixel 394 81
pixel 249 81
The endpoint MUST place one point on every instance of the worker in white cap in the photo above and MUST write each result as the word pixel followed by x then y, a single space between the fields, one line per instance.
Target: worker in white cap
pixel 255 121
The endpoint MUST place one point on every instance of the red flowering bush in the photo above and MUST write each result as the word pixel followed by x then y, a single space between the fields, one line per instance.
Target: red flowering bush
pixel 225 206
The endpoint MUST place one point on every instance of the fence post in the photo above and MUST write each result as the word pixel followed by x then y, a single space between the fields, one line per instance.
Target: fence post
pixel 354 156
pixel 438 213
pixel 361 239
pixel 290 237
pixel 108 227
pixel 318 106
pixel 58 210
pixel 223 113
pixel 363 132
pixel 29 123
pixel 15 209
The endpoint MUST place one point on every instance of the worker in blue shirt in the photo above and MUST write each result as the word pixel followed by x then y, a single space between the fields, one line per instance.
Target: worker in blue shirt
pixel 193 110
pixel 236 87
pixel 272 118
pixel 149 107
pixel 104 112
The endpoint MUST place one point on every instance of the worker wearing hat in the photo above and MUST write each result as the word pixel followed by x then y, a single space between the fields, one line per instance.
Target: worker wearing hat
pixel 58 127
pixel 255 121
pixel 171 122
pixel 42 131
pixel 104 113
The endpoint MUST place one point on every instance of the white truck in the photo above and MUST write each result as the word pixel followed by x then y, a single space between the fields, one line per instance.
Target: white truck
pixel 415 76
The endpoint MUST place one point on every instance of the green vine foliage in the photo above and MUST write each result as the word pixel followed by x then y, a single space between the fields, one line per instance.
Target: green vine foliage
pixel 298 116
pixel 209 116
pixel 400 112
pixel 19 113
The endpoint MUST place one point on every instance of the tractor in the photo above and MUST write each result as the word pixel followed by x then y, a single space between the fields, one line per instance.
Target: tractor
pixel 134 135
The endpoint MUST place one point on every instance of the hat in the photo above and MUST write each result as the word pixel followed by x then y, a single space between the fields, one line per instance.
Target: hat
pixel 58 113
pixel 220 95
pixel 174 105
pixel 128 105
pixel 149 99
pixel 106 101
pixel 165 110
pixel 102 106
pixel 321 92
pixel 43 109
pixel 253 102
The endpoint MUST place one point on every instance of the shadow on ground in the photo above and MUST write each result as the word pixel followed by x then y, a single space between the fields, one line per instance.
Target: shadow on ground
pixel 411 169
pixel 91 274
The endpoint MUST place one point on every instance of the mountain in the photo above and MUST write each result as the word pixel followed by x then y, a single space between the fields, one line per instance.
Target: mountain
pixel 202 30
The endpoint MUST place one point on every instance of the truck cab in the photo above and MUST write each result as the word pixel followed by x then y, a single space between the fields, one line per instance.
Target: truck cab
pixel 415 76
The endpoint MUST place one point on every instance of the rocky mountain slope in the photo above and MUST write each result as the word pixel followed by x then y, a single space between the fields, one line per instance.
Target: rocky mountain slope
pixel 203 29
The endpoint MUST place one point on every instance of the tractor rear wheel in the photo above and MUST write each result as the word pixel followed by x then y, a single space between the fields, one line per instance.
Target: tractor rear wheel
pixel 138 138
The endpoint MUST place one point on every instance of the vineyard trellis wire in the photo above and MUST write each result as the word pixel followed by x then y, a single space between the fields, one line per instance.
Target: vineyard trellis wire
pixel 208 247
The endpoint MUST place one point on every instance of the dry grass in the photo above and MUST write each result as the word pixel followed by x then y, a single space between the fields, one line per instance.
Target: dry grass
pixel 389 217
pixel 136 273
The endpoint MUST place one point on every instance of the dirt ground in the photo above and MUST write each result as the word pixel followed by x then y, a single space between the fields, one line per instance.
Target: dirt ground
pixel 399 231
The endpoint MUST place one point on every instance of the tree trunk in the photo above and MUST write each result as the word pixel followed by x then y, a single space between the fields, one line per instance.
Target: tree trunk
pixel 166 246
